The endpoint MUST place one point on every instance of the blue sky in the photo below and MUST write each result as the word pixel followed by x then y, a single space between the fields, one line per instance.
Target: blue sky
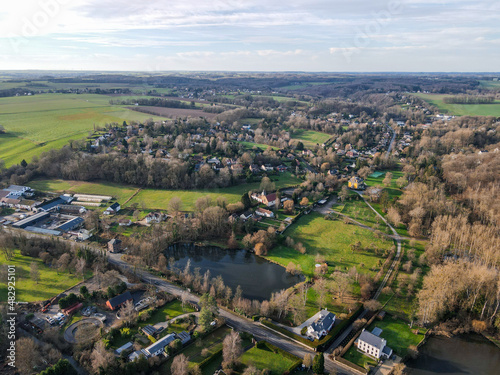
pixel 255 35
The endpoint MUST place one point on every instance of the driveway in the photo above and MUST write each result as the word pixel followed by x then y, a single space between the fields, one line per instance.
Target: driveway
pixel 327 207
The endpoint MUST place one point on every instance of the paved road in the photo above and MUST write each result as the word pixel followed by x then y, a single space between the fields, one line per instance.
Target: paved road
pixel 391 144
pixel 235 321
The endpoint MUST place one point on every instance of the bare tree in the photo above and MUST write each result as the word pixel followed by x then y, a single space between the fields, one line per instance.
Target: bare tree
pixel 100 357
pixel 128 313
pixel 175 205
pixel 179 365
pixel 34 272
pixel 231 349
pixel 27 355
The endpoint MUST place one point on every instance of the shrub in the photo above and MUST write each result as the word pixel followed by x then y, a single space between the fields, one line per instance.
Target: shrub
pixel 303 331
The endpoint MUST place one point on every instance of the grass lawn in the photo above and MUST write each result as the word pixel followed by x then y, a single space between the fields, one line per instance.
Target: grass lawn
pixel 167 312
pixel 51 282
pixel 261 146
pixel 332 239
pixel 266 359
pixel 120 192
pixel 398 334
pixel 492 109
pixel 358 210
pixel 39 123
pixel 358 358
pixel 310 137
pixel 158 198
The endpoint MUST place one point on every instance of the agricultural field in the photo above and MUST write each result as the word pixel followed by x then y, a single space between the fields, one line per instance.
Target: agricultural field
pixel 490 84
pixel 492 109
pixel 51 281
pixel 261 146
pixel 331 239
pixel 38 123
pixel 175 112
pixel 310 138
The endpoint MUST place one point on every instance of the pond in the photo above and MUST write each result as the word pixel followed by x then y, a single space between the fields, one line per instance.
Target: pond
pixel 464 354
pixel 258 277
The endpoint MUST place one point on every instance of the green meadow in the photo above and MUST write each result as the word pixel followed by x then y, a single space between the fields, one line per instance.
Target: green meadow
pixel 50 284
pixel 461 109
pixel 332 240
pixel 310 137
pixel 38 123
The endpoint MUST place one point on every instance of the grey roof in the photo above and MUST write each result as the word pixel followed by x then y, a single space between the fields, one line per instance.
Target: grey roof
pixel 377 331
pixel 114 206
pixel 136 354
pixel 371 339
pixel 127 346
pixel 43 230
pixel 160 344
pixel 324 322
pixel 184 337
pixel 70 224
pixel 149 330
pixel 31 219
pixel 387 351
pixel 122 298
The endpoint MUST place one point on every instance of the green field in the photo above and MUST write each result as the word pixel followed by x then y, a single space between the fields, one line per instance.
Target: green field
pixel 490 84
pixel 310 137
pixel 119 192
pixel 158 199
pixel 261 146
pixel 461 109
pixel 332 239
pixel 51 282
pixel 264 358
pixel 38 123
pixel 358 210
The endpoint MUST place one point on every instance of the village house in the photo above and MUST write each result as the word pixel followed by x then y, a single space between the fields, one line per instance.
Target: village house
pixel 124 222
pixel 371 344
pixel 158 347
pixel 267 199
pixel 281 168
pixel 267 167
pixel 356 183
pixel 116 302
pixel 254 168
pixel 154 217
pixel 263 212
pixel 322 325
pixel 246 215
pixel 114 245
pixel 113 209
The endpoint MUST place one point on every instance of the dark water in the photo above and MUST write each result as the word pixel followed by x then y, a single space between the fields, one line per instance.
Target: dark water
pixel 466 354
pixel 257 277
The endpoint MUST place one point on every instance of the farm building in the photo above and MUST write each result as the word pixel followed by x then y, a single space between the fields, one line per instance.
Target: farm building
pixel 118 301
pixel 31 220
pixel 113 209
pixel 70 224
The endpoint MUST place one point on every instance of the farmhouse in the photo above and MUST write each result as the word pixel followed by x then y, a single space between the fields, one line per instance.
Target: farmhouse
pixel 356 183
pixel 246 215
pixel 118 301
pixel 321 326
pixel 114 208
pixel 264 212
pixel 154 217
pixel 372 345
pixel 281 168
pixel 124 222
pixel 267 199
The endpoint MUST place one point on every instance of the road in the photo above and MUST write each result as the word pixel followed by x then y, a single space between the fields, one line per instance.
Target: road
pixel 233 320
pixel 391 144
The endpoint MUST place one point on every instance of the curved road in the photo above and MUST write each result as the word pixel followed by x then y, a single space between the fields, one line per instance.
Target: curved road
pixel 235 321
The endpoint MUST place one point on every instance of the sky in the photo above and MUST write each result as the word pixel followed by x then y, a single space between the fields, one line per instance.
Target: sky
pixel 251 35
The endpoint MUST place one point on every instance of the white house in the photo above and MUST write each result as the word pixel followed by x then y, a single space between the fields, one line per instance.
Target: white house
pixel 322 325
pixel 158 347
pixel 113 209
pixel 264 212
pixel 372 345
pixel 154 217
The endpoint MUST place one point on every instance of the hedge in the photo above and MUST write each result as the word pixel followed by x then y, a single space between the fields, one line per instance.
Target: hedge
pixel 351 365
pixel 207 360
pixel 325 340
